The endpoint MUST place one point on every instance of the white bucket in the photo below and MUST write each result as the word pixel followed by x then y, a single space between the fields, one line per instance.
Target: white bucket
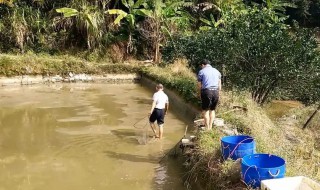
pixel 219 122
pixel 290 183
pixel 185 141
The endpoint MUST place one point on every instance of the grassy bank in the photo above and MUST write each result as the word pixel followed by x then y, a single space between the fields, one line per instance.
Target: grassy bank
pixel 283 137
pixel 31 64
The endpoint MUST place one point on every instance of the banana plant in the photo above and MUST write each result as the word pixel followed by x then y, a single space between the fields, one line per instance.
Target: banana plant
pixel 209 24
pixel 279 5
pixel 165 15
pixel 87 18
pixel 227 10
pixel 135 9
pixel 279 8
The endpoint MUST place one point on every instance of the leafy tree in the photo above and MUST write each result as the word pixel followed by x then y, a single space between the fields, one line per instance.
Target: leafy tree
pixel 307 12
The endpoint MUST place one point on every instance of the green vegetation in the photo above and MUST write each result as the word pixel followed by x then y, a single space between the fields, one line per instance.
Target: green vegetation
pixel 262 48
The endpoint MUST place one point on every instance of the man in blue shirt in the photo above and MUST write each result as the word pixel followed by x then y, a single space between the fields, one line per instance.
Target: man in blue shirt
pixel 209 84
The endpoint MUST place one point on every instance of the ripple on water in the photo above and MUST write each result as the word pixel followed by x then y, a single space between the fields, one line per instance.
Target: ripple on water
pixel 161 175
pixel 72 119
pixel 81 146
pixel 90 129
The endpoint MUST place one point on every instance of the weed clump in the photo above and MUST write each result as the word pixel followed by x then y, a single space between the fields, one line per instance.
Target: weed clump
pixel 207 167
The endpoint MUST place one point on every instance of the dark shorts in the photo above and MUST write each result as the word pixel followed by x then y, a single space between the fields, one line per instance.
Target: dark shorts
pixel 209 99
pixel 157 114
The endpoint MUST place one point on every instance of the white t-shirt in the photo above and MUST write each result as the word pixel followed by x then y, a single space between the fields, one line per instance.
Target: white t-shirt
pixel 161 99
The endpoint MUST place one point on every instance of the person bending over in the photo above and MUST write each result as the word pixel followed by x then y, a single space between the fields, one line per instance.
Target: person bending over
pixel 209 85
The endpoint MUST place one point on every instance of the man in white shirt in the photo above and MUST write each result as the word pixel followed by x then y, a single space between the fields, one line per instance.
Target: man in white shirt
pixel 159 109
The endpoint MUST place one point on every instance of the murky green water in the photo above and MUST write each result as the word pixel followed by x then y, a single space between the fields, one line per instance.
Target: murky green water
pixel 277 109
pixel 81 136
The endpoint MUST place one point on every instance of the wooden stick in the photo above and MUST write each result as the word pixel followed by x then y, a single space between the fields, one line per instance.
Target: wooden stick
pixel 175 146
pixel 310 118
pixel 185 132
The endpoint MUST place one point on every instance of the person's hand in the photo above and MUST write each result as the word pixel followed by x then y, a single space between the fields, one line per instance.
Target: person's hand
pixel 149 113
pixel 199 95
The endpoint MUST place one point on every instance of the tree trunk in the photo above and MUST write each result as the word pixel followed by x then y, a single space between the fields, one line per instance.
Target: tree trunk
pixel 129 45
pixel 157 52
pixel 156 57
pixel 88 42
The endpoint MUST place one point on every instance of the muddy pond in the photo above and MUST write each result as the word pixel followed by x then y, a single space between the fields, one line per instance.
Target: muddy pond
pixel 82 136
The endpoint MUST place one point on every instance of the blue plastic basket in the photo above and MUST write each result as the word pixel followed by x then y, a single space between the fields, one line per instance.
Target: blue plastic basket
pixel 235 147
pixel 258 167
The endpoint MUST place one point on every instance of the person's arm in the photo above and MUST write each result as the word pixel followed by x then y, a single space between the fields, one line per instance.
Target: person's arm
pixel 199 83
pixel 199 89
pixel 220 86
pixel 152 107
pixel 166 108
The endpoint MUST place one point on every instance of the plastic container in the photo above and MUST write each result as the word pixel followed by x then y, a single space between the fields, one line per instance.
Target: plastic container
pixel 258 167
pixel 290 183
pixel 238 146
pixel 219 122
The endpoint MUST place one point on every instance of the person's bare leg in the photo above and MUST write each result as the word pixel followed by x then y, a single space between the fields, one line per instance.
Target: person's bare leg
pixel 212 115
pixel 153 127
pixel 205 115
pixel 160 131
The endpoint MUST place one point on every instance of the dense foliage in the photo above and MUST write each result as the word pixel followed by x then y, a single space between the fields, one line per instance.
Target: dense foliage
pixel 125 27
pixel 136 26
pixel 257 52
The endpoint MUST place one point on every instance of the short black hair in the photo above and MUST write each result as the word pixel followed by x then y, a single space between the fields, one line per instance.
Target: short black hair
pixel 205 62
pixel 159 86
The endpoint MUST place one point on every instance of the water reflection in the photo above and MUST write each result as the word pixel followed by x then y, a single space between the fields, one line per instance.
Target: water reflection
pixel 132 157
pixel 81 136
